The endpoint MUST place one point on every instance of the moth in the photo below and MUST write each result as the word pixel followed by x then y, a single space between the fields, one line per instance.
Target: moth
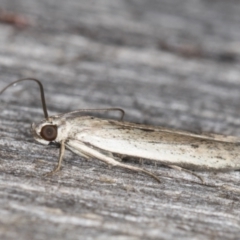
pixel 110 140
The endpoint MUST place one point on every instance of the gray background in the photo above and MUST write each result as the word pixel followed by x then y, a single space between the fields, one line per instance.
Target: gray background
pixel 170 63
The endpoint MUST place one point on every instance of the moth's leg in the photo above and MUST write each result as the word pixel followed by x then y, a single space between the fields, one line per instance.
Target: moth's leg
pixel 60 158
pixel 108 160
pixel 85 156
pixel 137 169
pixel 82 154
pixel 109 154
pixel 187 171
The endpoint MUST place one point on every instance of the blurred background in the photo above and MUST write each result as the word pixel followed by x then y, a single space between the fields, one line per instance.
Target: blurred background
pixel 164 61
pixel 170 63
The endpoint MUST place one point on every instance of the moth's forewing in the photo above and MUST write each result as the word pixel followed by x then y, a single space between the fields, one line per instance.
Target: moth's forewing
pixel 188 150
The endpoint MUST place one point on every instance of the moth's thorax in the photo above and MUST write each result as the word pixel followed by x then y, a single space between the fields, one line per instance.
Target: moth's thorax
pixel 62 127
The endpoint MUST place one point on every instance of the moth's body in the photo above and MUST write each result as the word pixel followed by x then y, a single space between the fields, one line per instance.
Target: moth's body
pixel 167 146
pixel 106 140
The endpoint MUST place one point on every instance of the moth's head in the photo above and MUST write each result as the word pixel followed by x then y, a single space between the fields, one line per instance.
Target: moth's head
pixel 48 131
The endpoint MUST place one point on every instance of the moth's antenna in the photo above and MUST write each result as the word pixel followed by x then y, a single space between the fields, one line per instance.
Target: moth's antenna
pixel 41 92
pixel 96 110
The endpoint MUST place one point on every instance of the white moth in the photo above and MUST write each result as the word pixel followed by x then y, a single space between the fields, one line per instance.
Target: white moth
pixel 110 140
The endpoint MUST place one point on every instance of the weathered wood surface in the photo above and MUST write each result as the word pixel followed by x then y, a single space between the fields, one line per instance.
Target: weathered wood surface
pixel 170 63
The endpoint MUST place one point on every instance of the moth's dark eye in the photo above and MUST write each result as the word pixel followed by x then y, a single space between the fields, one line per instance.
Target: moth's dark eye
pixel 49 132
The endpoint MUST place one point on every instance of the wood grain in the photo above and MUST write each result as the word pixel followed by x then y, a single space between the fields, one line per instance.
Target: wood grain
pixel 166 63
